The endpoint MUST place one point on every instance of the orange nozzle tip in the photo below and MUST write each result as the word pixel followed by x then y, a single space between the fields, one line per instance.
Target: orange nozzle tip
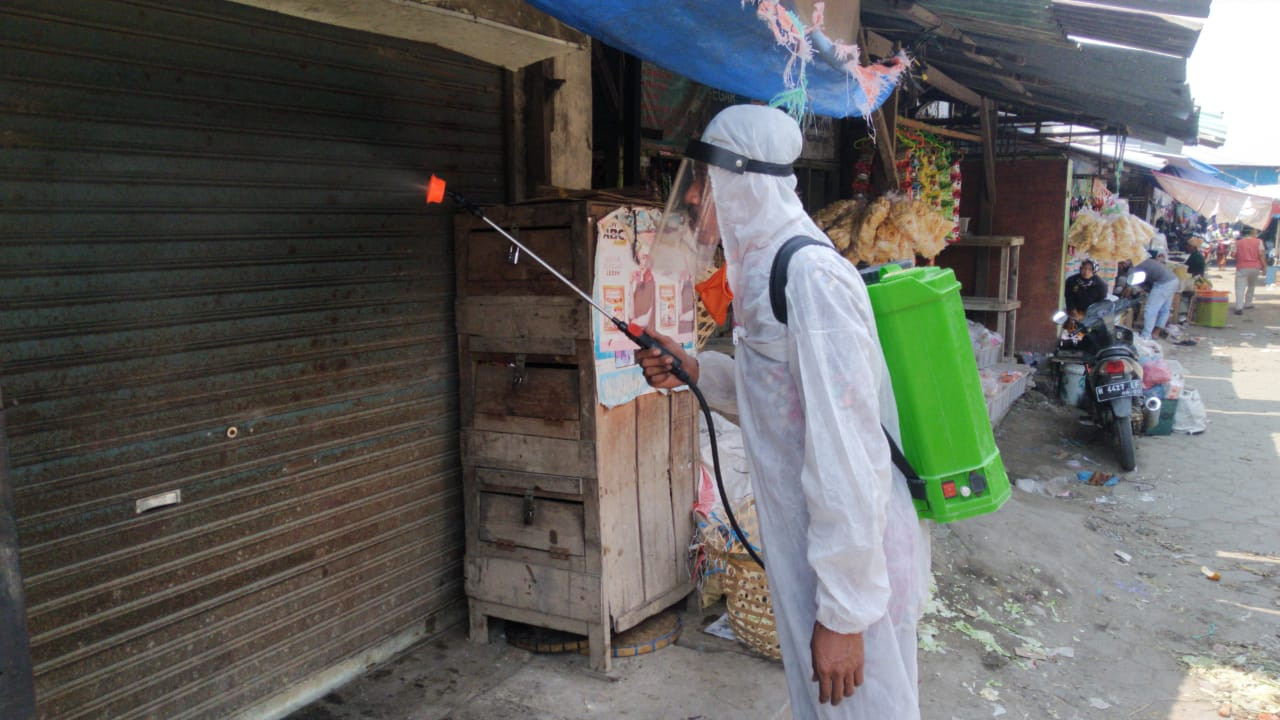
pixel 435 190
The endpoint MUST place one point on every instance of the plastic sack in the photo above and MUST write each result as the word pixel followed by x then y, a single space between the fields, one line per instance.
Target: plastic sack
pixel 1156 372
pixel 990 382
pixel 1177 382
pixel 1148 350
pixel 1191 417
pixel 733 466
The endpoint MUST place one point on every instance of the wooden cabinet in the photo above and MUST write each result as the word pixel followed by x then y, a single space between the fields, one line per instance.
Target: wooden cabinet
pixel 1005 302
pixel 577 516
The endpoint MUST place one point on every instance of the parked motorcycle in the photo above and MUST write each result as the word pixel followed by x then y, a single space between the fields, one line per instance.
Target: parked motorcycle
pixel 1112 374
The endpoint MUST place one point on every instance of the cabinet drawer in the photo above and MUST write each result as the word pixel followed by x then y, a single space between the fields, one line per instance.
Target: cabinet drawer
pixel 519 394
pixel 514 317
pixel 514 482
pixel 554 526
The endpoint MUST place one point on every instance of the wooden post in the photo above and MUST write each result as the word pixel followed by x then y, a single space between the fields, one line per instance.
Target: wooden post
pixel 513 145
pixel 882 124
pixel 537 124
pixel 632 82
pixel 987 206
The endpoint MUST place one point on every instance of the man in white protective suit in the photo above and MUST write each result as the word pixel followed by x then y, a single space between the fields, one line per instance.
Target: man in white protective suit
pixel 846 556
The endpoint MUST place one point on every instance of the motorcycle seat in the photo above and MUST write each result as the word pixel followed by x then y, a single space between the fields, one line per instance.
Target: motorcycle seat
pixel 1117 351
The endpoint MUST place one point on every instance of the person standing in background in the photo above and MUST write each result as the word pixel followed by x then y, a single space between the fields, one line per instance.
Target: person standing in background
pixel 1223 250
pixel 1196 267
pixel 1248 267
pixel 1160 284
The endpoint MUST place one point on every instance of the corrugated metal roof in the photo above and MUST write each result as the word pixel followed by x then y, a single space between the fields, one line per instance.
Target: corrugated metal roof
pixel 1137 30
pixel 1018 53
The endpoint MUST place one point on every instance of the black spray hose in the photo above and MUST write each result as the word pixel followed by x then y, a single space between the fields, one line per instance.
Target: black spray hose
pixel 715 463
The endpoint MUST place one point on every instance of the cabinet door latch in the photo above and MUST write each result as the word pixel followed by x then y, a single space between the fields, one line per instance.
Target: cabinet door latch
pixel 528 507
pixel 518 373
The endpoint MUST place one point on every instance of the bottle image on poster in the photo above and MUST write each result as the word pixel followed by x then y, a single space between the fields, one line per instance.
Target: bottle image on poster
pixel 630 287
pixel 667 304
pixel 650 297
pixel 688 306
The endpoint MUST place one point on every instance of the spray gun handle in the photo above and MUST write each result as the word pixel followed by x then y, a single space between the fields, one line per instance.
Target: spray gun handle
pixel 638 336
pixel 466 204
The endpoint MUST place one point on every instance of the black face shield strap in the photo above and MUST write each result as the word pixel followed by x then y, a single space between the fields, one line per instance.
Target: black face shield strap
pixel 732 161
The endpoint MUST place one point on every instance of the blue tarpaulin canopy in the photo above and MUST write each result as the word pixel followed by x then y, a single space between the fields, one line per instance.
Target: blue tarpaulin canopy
pixel 726 45
pixel 1202 172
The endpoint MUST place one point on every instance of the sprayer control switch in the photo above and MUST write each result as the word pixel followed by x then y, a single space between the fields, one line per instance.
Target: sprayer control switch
pixel 978 482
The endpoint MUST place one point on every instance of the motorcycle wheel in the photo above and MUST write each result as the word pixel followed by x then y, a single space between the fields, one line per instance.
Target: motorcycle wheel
pixel 1124 443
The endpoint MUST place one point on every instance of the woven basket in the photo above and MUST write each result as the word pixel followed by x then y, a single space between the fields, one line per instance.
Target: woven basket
pixel 745 586
pixel 746 590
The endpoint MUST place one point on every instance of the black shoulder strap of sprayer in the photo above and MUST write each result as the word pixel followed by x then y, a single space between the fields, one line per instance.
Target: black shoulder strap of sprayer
pixel 778 300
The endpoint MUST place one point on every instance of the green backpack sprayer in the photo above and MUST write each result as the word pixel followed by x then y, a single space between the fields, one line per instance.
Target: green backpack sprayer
pixel 949 453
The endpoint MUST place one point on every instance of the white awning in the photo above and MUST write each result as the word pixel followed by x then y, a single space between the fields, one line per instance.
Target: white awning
pixel 1209 200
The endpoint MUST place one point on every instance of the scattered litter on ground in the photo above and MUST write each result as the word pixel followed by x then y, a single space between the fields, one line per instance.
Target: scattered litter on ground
pixel 1247 683
pixel 721 629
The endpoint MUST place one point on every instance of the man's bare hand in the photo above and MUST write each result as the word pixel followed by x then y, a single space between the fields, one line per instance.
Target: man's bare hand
pixel 657 364
pixel 837 663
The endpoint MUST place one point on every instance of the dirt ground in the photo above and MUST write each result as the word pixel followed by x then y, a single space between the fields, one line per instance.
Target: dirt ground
pixel 1090 602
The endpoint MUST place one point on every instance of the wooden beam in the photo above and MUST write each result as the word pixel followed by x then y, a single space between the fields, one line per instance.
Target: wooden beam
pixel 1012 84
pixel 908 122
pixel 884 129
pixel 885 147
pixel 880 46
pixel 876 44
pixel 940 80
pixel 930 21
pixel 987 208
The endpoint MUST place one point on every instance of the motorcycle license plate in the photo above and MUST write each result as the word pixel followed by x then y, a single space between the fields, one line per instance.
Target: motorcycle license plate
pixel 1124 388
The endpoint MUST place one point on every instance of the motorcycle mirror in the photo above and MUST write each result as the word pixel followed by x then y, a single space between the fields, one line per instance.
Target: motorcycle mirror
pixel 1059 317
pixel 1138 277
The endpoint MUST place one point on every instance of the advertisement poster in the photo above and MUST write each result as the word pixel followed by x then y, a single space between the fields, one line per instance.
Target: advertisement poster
pixel 627 285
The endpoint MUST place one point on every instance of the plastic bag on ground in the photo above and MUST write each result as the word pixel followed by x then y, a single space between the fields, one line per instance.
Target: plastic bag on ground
pixel 1148 349
pixel 1191 416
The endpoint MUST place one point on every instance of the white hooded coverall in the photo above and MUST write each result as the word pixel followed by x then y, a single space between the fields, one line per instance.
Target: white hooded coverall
pixel 842 541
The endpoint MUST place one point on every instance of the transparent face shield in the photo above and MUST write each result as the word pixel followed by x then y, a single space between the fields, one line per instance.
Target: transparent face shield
pixel 687 237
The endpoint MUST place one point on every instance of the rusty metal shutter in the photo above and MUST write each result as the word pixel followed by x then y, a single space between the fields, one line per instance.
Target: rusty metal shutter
pixel 218 277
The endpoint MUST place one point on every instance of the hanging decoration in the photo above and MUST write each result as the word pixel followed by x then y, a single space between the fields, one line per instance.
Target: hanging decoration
pixel 929 170
pixel 804 44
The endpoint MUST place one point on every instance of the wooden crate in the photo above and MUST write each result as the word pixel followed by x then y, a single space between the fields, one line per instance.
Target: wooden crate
pixel 578 516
